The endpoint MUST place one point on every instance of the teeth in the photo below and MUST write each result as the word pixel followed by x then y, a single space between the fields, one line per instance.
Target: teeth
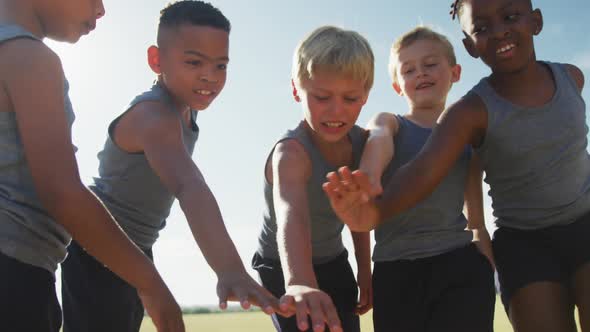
pixel 505 48
pixel 334 124
pixel 424 85
pixel 204 92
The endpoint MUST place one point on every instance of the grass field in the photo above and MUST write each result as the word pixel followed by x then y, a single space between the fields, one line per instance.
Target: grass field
pixel 259 322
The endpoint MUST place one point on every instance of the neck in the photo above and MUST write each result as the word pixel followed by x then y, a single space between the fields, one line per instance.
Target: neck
pixel 528 76
pixel 425 116
pixel 178 104
pixel 22 13
pixel 335 153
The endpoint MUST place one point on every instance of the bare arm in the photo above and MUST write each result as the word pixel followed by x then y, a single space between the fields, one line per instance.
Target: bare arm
pixel 473 208
pixel 463 123
pixel 577 75
pixel 362 253
pixel 291 169
pixel 158 133
pixel 46 138
pixel 379 149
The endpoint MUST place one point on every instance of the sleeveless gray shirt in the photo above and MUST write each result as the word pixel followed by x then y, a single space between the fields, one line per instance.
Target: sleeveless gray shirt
pixel 27 232
pixel 435 225
pixel 326 228
pixel 535 159
pixel 128 186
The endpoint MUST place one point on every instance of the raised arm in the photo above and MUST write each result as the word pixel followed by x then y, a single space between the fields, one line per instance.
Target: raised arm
pixel 291 169
pixel 158 133
pixel 473 208
pixel 462 124
pixel 379 149
pixel 49 151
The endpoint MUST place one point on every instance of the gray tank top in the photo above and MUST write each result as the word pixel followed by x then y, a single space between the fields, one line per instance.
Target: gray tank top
pixel 535 159
pixel 27 232
pixel 128 186
pixel 326 228
pixel 435 225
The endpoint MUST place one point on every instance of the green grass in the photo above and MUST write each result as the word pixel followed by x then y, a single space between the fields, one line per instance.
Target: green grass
pixel 259 322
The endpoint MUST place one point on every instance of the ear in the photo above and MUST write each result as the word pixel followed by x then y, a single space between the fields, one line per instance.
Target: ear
pixel 470 48
pixel 153 54
pixel 397 89
pixel 295 92
pixel 537 21
pixel 455 73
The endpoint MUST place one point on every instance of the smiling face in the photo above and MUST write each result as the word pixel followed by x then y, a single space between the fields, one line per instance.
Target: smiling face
pixel 331 103
pixel 191 62
pixel 423 74
pixel 68 20
pixel 501 32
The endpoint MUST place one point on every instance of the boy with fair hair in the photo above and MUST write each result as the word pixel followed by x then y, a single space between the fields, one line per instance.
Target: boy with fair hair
pixel 146 163
pixel 300 254
pixel 428 275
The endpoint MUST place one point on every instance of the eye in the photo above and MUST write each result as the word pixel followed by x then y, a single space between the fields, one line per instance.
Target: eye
pixel 408 71
pixel 512 17
pixel 222 66
pixel 321 98
pixel 351 99
pixel 193 62
pixel 430 65
pixel 479 29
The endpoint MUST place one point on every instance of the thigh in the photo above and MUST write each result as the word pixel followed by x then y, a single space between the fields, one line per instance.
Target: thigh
pixel 542 307
pixel 398 296
pixel 523 258
pixel 28 301
pixel 336 278
pixel 581 288
pixel 94 298
pixel 465 293
pixel 271 278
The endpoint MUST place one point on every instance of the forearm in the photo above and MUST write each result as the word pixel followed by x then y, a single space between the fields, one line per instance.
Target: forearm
pixel 209 231
pixel 362 250
pixel 294 244
pixel 102 237
pixel 377 153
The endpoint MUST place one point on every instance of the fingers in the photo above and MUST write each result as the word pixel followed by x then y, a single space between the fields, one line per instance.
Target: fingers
pixel 265 300
pixel 287 305
pixel 331 316
pixel 301 310
pixel 223 295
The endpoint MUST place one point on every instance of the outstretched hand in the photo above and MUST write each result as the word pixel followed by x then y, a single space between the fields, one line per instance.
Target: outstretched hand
pixel 350 196
pixel 162 309
pixel 314 303
pixel 240 287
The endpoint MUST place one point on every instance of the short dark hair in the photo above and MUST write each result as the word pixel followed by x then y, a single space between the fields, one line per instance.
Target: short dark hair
pixel 192 12
pixel 457 8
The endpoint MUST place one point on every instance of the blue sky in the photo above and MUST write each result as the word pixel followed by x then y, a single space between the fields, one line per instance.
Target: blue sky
pixel 108 68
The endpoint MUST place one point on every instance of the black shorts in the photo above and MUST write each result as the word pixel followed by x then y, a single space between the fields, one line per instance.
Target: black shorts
pixel 335 278
pixel 450 292
pixel 94 298
pixel 27 298
pixel 549 254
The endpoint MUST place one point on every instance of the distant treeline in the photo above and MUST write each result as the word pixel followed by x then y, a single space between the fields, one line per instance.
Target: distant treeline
pixel 214 310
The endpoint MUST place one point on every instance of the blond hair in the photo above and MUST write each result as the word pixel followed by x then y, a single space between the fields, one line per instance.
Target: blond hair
pixel 334 49
pixel 414 35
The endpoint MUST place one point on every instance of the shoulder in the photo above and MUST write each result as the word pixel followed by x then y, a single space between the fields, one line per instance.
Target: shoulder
pixel 470 104
pixel 290 156
pixel 29 59
pixel 576 74
pixel 384 121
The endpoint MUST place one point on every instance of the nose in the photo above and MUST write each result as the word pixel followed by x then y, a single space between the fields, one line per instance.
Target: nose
pixel 100 11
pixel 500 30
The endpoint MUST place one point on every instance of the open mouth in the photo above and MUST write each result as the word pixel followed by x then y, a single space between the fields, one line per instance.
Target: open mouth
pixel 204 92
pixel 334 124
pixel 505 49
pixel 424 85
